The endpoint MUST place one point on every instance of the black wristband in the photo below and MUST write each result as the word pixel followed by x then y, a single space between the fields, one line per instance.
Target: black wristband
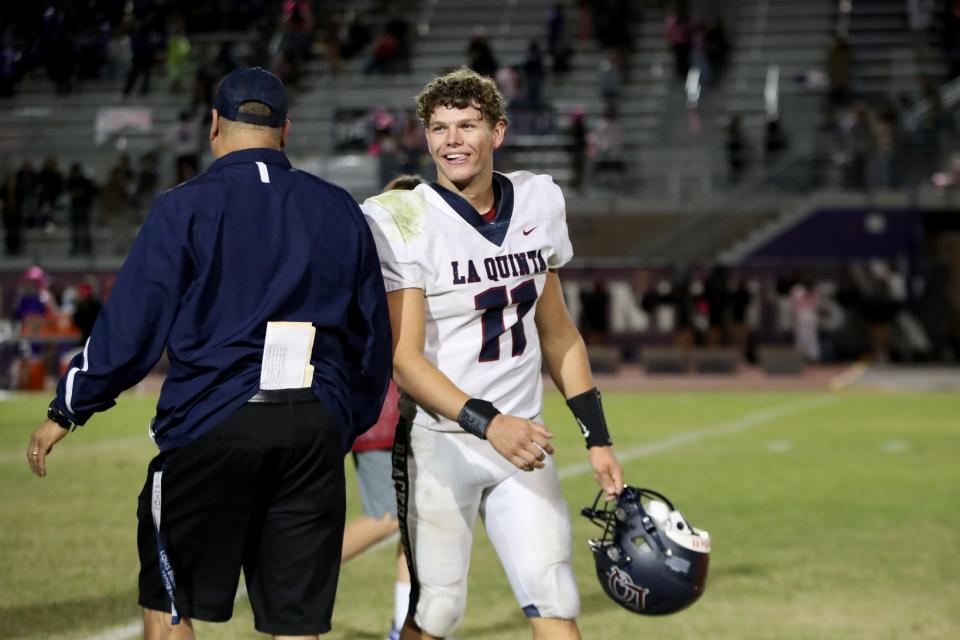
pixel 587 410
pixel 56 415
pixel 476 415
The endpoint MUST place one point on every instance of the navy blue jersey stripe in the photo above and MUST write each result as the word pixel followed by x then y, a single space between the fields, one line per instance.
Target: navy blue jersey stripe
pixel 495 231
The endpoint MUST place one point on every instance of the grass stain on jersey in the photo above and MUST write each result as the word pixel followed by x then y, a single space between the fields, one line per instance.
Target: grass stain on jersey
pixel 407 210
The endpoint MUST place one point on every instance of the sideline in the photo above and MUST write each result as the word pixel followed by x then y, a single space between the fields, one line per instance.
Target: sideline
pixel 134 629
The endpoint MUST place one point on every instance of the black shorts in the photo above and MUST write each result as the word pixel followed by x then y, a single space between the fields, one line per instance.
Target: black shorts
pixel 264 491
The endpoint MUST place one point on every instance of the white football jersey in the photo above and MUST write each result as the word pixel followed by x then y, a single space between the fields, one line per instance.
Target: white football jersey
pixel 481 282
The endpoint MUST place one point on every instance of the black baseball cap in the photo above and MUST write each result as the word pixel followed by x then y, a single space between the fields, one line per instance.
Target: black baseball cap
pixel 253 84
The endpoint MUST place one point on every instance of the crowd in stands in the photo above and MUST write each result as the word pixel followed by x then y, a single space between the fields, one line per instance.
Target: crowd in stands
pixel 865 141
pixel 111 39
pixel 47 199
pixel 697 42
pixel 867 311
pixel 50 320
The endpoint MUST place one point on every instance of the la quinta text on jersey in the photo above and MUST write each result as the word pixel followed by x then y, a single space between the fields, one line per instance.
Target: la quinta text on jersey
pixel 497 267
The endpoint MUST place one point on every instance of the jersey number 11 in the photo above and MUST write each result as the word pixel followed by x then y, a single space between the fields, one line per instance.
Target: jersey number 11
pixel 493 301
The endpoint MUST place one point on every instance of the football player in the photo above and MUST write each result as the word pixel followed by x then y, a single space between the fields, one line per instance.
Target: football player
pixel 469 263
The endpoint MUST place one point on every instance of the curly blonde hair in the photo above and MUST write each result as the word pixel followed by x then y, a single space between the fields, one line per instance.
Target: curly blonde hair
pixel 459 89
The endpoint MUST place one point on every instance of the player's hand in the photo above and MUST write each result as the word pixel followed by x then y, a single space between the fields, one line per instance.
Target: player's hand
pixel 47 434
pixel 523 442
pixel 608 470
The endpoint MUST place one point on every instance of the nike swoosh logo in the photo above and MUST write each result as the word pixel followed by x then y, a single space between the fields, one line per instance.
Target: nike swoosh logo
pixel 583 427
pixel 527 232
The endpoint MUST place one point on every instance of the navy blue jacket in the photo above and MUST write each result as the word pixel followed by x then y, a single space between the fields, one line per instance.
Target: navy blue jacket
pixel 249 241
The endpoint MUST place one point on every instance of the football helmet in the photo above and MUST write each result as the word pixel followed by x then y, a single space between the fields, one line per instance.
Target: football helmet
pixel 649 559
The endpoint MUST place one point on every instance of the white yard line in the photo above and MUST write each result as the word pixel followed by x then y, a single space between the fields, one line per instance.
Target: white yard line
pixel 126 632
pixel 134 629
pixel 735 425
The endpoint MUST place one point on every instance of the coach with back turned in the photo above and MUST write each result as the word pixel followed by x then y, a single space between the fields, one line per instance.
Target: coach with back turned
pixel 250 469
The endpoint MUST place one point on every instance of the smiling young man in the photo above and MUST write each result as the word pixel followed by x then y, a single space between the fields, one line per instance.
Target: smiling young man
pixel 469 263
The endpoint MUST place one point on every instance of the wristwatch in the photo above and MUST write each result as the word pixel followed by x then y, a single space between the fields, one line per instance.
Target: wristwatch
pixel 54 414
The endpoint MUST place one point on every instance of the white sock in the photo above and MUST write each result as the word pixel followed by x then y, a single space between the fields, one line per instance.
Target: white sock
pixel 401 601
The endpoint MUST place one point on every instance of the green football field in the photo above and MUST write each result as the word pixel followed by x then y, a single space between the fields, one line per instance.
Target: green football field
pixel 833 515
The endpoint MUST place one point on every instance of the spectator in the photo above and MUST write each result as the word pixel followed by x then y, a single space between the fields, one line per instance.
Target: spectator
pixel 950 38
pixel 555 26
pixel 35 300
pixel 557 47
pixel 142 51
pixel 383 55
pixel 919 20
pixel 204 83
pixel 82 192
pixel 385 146
pixel 595 319
pixel 533 75
pixel 178 52
pixel 611 21
pixel 12 215
pixel 839 68
pixel 684 305
pixel 116 207
pixel 480 55
pixel 741 301
pixel 884 125
pixel 49 190
pixel 148 180
pixel 609 78
pixel 578 148
pixel 35 305
pixel 93 48
pixel 330 41
pixel 606 142
pixel 585 29
pixel 126 170
pixel 225 61
pixel 298 26
pixel 927 138
pixel 508 79
pixel 698 53
pixel 9 57
pixel 58 47
pixel 25 194
pixel 774 142
pixel 716 46
pixel 805 304
pixel 861 145
pixel 882 294
pixel 736 150
pixel 398 27
pixel 678 33
pixel 359 35
pixel 411 144
pixel 87 307
pixel 717 297
pixel 185 142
